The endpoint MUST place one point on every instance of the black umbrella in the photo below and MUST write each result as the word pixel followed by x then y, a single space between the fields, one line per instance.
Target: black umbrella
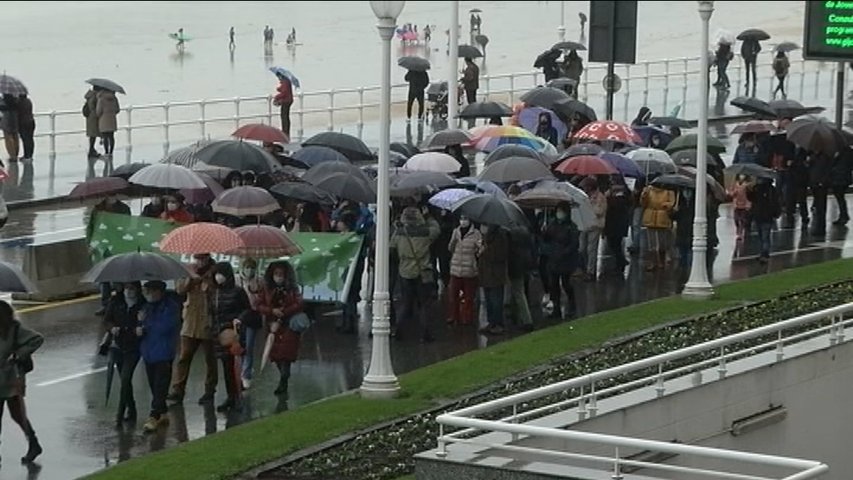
pixel 567 108
pixel 414 63
pixel 481 40
pixel 475 10
pixel 674 180
pixel 315 155
pixel 754 105
pixel 579 149
pixel 687 158
pixel 791 108
pixel 113 362
pixel 444 138
pixel 753 34
pixel 239 155
pixel 13 280
pixel 687 142
pixel 347 186
pixel 545 57
pixel 569 45
pixel 751 170
pixel 397 159
pixel 106 84
pixel 407 183
pixel 319 172
pixel 491 210
pixel 565 84
pixel 485 110
pixel 136 267
pixel 816 134
pixel 516 169
pixel 786 47
pixel 404 149
pixel 351 147
pixel 186 156
pixel 127 170
pixel 303 192
pixel 510 150
pixel 544 97
pixel 469 51
pixel 670 122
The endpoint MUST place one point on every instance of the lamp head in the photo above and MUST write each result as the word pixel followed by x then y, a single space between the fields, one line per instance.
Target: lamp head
pixel 387 9
pixel 706 6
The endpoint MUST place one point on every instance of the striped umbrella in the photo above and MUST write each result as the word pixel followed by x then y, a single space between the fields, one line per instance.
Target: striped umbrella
pixel 10 85
pixel 264 241
pixel 490 138
pixel 168 176
pixel 201 237
pixel 186 156
pixel 245 201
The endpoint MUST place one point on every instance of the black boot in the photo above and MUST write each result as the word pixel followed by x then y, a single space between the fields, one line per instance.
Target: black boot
pixel 282 386
pixel 34 449
pixel 226 406
pixel 130 417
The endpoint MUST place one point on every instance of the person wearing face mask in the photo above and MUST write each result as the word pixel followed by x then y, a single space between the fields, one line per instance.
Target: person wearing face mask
pixel 157 328
pixel 229 305
pixel 280 300
pixel 590 239
pixel 657 206
pixel 749 151
pixel 122 318
pixel 563 259
pixel 248 281
pixel 175 211
pixel 464 249
pixel 545 130
pixel 154 208
pixel 737 192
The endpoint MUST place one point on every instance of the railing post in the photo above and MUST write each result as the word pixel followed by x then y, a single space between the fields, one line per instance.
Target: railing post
pixel 53 133
pixel 593 401
pixel 665 85
pixel 535 78
pixel 237 113
pixel 780 347
pixel 840 328
pixel 442 446
pixel 585 85
pixel 487 84
pixel 660 389
pixel 331 109
pixel 833 334
pixel 617 467
pixel 627 89
pixel 166 124
pixel 721 367
pixel 511 88
pixel 802 77
pixel 203 118
pixel 581 406
pixel 646 84
pixel 129 126
pixel 360 107
pixel 301 115
pixel 269 109
pixel 514 420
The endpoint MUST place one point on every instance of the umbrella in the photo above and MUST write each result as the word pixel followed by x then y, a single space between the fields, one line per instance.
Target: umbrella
pixel 674 180
pixel 481 40
pixel 582 149
pixel 544 97
pixel 485 110
pixel 652 160
pixel 475 10
pixel 99 186
pixel 194 196
pixel 714 186
pixel 546 57
pixel 491 137
pixel 168 176
pixel 516 169
pixel 201 237
pixel 283 72
pixel 754 105
pixel 750 170
pixel 791 108
pixel 670 122
pixel 404 149
pixel 687 142
pixel 568 45
pixel 264 241
pixel 608 130
pixel 127 170
pixel 396 159
pixel 647 132
pixel 786 47
pixel 12 279
pixel 568 108
pixel 303 192
pixel 586 165
pixel 113 363
pixel 529 119
pixel 481 186
pixel 316 154
pixel 135 267
pixel 622 164
pixel 753 34
pixel 433 162
pixel 239 155
pixel 755 126
pixel 261 133
pixel 351 147
pixel 106 84
pixel 245 201
pixel 688 158
pixel 563 83
pixel 10 85
pixel 218 173
pixel 490 210
pixel 469 51
pixel 512 151
pixel 445 138
pixel 582 213
pixel 724 37
pixel 318 172
pixel 185 156
pixel 413 63
pixel 407 183
pixel 347 186
pixel 543 197
pixel 445 199
pixel 816 134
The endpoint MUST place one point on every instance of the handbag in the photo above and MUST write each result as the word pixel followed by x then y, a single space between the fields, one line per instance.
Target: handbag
pixel 426 274
pixel 25 364
pixel 299 322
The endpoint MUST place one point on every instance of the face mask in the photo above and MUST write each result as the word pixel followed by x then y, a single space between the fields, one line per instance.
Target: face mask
pixel 249 272
pixel 149 298
pixel 220 278
pixel 465 223
pixel 561 215
pixel 130 296
pixel 171 206
pixel 484 228
pixel 278 279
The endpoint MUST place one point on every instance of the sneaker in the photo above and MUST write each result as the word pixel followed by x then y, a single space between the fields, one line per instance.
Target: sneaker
pixel 247 383
pixel 163 421
pixel 150 425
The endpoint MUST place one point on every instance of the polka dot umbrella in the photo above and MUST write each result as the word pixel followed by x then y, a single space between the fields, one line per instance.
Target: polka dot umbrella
pixel 264 241
pixel 609 131
pixel 201 237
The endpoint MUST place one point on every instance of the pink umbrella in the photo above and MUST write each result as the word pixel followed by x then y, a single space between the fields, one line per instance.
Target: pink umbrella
pixel 201 237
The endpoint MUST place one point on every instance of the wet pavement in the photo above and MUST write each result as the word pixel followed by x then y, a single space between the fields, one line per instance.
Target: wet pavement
pixel 66 390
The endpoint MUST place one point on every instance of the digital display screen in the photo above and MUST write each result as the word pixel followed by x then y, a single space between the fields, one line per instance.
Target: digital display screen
pixel 828 30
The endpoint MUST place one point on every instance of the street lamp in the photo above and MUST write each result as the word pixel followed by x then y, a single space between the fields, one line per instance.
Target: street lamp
pixel 561 30
pixel 453 62
pixel 380 381
pixel 698 285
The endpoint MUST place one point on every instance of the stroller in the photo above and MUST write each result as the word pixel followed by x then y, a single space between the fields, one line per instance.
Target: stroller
pixel 437 96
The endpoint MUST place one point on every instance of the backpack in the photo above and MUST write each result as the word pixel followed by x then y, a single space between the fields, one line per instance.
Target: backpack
pixel 86 110
pixel 779 66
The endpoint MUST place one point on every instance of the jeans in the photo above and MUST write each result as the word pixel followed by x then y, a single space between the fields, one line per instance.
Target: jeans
pixel 494 297
pixel 126 402
pixel 461 297
pixel 284 374
pixel 27 132
pixel 780 86
pixel 189 346
pixel 415 96
pixel 285 119
pixel 722 76
pixel 249 335
pixel 566 280
pixel 518 299
pixel 159 377
pixel 764 237
pixel 685 254
pixel 589 247
pixel 750 67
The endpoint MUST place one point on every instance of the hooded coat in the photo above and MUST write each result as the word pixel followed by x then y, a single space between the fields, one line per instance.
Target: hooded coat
pixel 412 239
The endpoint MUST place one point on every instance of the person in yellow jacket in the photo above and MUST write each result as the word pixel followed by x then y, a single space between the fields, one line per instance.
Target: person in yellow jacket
pixel 657 206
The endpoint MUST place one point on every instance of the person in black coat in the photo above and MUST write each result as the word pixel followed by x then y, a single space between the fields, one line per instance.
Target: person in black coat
pixel 620 206
pixel 766 208
pixel 455 151
pixel 563 259
pixel 418 82
pixel 683 215
pixel 842 177
pixel 820 179
pixel 228 304
pixel 122 318
pixel 520 263
pixel 749 52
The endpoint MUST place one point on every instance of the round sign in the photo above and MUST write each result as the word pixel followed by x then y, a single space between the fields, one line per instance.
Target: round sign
pixel 612 84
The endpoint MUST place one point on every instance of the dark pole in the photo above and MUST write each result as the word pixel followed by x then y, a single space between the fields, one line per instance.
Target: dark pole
pixel 610 65
pixel 839 95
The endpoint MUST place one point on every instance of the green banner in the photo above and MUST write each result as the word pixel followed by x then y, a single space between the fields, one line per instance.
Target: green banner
pixel 323 267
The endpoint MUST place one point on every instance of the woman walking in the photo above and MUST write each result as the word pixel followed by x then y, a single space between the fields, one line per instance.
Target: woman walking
pixel 280 301
pixel 17 344
pixel 107 112
pixel 122 318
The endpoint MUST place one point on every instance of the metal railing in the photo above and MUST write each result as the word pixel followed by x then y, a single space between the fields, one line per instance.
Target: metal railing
pixel 583 394
pixel 336 108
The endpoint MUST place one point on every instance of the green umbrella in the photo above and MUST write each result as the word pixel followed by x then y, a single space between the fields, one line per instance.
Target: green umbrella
pixel 687 142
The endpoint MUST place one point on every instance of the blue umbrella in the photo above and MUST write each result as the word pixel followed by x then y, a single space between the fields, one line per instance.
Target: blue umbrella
pixel 625 165
pixel 528 118
pixel 283 72
pixel 482 186
pixel 445 199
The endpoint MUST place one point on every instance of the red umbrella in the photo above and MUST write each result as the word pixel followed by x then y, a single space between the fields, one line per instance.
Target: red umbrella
pixel 264 241
pixel 98 186
pixel 202 237
pixel 586 165
pixel 608 130
pixel 261 133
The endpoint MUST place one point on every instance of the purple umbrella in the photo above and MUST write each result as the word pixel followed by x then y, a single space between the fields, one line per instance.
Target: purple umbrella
pixel 625 165
pixel 529 119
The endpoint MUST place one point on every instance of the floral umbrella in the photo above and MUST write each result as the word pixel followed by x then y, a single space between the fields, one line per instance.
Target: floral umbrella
pixel 608 130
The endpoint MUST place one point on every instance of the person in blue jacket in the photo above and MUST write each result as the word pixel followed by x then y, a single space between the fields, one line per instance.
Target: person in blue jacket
pixel 158 329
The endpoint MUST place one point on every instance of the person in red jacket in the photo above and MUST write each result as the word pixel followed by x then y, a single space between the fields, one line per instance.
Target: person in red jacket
pixel 279 301
pixel 176 211
pixel 284 99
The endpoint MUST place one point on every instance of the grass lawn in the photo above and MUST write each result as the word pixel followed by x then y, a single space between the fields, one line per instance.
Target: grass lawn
pixel 237 449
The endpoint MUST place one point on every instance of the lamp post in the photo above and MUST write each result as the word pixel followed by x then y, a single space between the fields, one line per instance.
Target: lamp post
pixel 453 64
pixel 698 285
pixel 561 30
pixel 380 381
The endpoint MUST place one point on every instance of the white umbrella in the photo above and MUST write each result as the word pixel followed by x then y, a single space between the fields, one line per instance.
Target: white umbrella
pixel 265 357
pixel 433 162
pixel 167 175
pixel 582 214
